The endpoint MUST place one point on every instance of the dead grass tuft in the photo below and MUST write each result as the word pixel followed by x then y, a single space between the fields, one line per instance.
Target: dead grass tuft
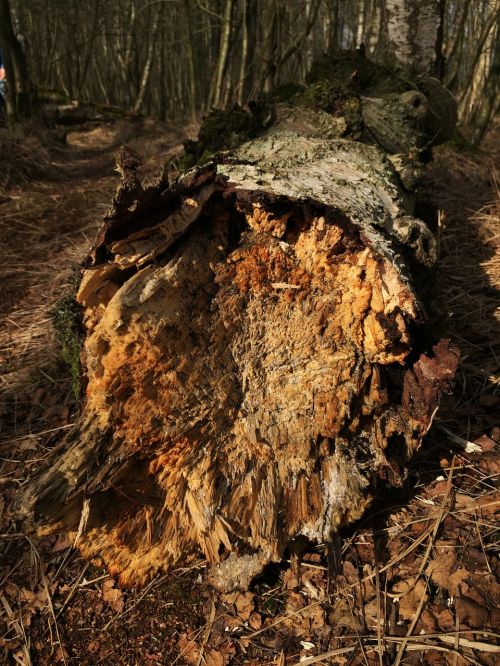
pixel 466 190
pixel 23 155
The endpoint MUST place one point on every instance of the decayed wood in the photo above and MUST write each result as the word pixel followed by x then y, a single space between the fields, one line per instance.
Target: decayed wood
pixel 248 331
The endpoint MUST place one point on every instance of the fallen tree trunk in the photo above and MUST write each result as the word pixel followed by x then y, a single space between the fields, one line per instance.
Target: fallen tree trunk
pixel 250 358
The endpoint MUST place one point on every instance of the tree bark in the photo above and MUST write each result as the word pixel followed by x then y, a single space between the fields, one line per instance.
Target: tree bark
pixel 251 360
pixel 152 43
pixel 411 34
pixel 225 42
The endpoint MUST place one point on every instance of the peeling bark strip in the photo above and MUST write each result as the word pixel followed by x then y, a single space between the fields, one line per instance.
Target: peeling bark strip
pixel 246 337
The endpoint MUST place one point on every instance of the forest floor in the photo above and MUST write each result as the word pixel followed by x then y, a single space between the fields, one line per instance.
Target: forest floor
pixel 417 581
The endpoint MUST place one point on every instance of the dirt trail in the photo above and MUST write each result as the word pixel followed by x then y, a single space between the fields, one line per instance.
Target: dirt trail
pixel 418 576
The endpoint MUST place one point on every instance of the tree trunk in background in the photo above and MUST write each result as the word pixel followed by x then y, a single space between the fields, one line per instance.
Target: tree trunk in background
pixel 193 86
pixel 245 52
pixel 20 101
pixel 225 43
pixel 489 102
pixel 200 58
pixel 480 66
pixel 298 44
pixel 440 61
pixel 411 31
pixel 269 45
pixel 149 60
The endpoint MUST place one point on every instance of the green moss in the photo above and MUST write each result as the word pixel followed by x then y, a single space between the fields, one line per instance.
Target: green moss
pixel 353 116
pixel 337 100
pixel 323 96
pixel 355 74
pixel 223 129
pixel 110 110
pixel 67 320
pixel 335 85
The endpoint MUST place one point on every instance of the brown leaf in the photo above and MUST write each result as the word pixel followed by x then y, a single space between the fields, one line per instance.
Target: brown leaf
pixel 255 621
pixel 485 505
pixel 28 444
pixel 495 618
pixel 445 620
pixel 189 650
pixel 61 654
pixel 245 605
pixel 410 593
pixel 486 443
pixel 112 596
pixel 11 590
pixel 27 618
pixel 229 598
pixel 290 579
pixel 314 583
pixel 444 570
pixel 62 543
pixel 33 600
pixel 303 624
pixel 228 650
pixel 471 613
pixel 350 572
pixel 21 658
pixel 342 615
pixel 214 658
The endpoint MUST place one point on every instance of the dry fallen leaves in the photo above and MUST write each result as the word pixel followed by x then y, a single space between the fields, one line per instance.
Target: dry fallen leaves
pixel 188 649
pixel 112 595
pixel 409 593
pixel 445 571
pixel 245 605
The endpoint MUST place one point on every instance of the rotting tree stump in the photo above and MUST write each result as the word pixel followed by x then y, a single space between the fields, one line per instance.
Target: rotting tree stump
pixel 251 361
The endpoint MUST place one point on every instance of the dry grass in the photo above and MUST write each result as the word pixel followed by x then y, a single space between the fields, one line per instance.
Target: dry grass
pixel 44 234
pixel 466 189
pixel 23 155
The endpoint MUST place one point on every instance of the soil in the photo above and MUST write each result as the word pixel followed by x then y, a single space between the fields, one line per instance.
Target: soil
pixel 415 582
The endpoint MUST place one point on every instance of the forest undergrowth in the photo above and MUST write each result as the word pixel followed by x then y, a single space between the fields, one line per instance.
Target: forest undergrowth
pixel 416 581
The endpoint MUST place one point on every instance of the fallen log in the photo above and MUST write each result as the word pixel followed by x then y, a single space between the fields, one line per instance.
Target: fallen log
pixel 251 362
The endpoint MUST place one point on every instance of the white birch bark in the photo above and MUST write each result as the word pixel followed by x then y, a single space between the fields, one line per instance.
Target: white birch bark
pixel 411 32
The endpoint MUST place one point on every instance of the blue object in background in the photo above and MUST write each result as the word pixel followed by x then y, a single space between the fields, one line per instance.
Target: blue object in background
pixel 2 82
pixel 3 118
